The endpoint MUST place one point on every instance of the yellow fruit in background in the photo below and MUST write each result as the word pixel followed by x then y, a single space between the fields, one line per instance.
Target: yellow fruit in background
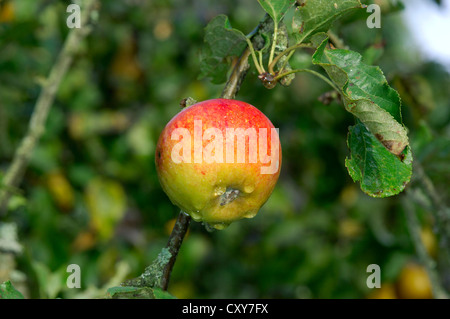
pixel 60 190
pixel 125 64
pixel 387 291
pixel 106 202
pixel 84 241
pixel 6 12
pixel 349 195
pixel 414 283
pixel 350 228
pixel 429 241
pixel 163 29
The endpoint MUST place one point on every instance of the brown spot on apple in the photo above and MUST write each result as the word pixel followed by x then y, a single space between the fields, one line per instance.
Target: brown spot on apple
pixel 230 195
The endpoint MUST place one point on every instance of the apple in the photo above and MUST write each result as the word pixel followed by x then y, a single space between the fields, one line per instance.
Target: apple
pixel 219 160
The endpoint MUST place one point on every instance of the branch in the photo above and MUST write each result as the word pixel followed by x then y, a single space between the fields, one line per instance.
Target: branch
pixel 237 76
pixel 175 240
pixel 440 210
pixel 441 215
pixel 157 275
pixel 45 100
pixel 430 265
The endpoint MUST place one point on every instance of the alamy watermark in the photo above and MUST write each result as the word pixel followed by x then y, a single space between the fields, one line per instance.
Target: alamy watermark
pixel 230 148
pixel 74 19
pixel 74 279
pixel 374 279
pixel 374 20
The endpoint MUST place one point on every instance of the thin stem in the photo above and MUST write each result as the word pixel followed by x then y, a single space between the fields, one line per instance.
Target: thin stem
pixel 324 78
pixel 288 50
pixel 274 43
pixel 286 61
pixel 261 61
pixel 44 102
pixel 252 51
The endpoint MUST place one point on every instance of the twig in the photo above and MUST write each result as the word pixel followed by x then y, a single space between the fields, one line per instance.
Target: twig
pixel 317 74
pixel 441 214
pixel 274 41
pixel 430 265
pixel 237 76
pixel 45 100
pixel 258 64
pixel 157 275
pixel 441 211
pixel 287 51
pixel 175 240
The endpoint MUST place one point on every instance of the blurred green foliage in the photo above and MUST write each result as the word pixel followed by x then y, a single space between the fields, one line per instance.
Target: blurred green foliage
pixel 90 195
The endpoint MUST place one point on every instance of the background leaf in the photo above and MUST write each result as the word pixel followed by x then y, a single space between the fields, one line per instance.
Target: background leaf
pixel 162 294
pixel 7 291
pixel 276 8
pixel 221 42
pixel 315 16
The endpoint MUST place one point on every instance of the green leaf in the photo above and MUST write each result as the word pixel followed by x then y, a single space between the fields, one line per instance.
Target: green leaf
pixel 130 293
pixel 7 291
pixel 119 290
pixel 313 16
pixel 367 95
pixel 221 43
pixel 276 8
pixel 138 292
pixel 380 173
pixel 162 294
pixel 381 158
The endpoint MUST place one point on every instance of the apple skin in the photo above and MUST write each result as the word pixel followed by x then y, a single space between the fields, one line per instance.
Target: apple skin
pixel 217 193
